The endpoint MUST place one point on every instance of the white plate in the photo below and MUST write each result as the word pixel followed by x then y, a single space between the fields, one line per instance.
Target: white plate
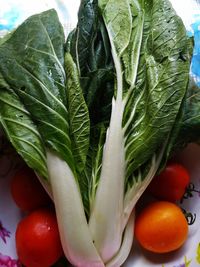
pixel 188 255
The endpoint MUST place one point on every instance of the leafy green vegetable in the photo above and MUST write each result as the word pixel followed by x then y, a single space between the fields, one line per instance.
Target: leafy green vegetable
pixel 22 132
pixel 98 114
pixel 90 48
pixel 150 89
pixel 32 64
pixel 34 69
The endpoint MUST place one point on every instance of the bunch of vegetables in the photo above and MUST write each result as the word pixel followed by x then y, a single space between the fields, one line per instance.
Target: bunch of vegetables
pixel 96 116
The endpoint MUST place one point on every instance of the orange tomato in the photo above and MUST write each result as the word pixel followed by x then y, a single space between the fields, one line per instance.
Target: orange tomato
pixel 161 227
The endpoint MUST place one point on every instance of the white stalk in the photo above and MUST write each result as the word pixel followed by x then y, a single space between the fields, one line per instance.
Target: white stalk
pixel 126 246
pixel 106 214
pixel 73 227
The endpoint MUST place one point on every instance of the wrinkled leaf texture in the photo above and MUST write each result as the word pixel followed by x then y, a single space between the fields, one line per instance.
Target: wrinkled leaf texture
pixel 162 73
pixel 32 64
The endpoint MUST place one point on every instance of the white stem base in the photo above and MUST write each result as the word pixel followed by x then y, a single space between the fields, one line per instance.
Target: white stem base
pixel 126 246
pixel 73 227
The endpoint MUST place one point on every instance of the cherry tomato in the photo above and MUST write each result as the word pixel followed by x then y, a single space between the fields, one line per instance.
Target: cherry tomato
pixel 171 183
pixel 37 239
pixel 27 191
pixel 161 227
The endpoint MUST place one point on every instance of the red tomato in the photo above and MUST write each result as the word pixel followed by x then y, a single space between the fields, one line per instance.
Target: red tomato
pixel 27 191
pixel 171 183
pixel 37 239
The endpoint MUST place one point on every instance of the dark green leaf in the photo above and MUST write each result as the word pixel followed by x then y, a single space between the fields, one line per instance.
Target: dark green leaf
pixel 32 62
pixel 190 123
pixel 90 48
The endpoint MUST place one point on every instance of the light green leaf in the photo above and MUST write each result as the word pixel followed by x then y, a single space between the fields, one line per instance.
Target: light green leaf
pixel 22 132
pixel 118 19
pixel 161 83
pixel 79 121
pixel 94 161
pixel 131 55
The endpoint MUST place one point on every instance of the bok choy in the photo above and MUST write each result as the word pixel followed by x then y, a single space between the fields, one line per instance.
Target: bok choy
pixel 96 115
